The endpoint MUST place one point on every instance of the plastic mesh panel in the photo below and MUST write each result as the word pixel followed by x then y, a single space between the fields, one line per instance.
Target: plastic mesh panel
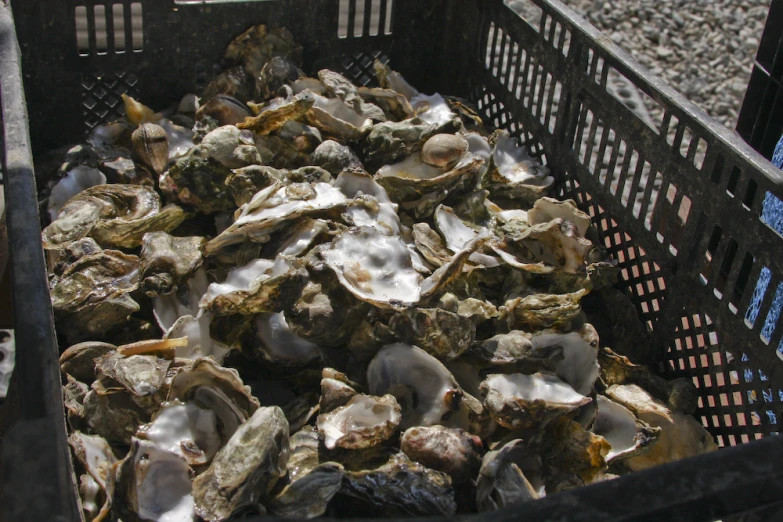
pixel 677 208
pixel 101 96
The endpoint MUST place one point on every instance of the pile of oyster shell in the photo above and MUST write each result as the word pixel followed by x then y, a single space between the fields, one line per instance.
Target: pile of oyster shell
pixel 296 296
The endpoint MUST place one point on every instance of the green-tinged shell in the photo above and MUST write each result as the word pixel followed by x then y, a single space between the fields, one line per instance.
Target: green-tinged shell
pixel 200 181
pixel 114 215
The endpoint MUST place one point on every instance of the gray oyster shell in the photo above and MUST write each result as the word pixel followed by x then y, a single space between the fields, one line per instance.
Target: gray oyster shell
pixel 389 142
pixel 92 296
pixel 501 483
pixel 446 335
pixel 540 311
pixel 246 468
pixel 335 158
pixel 167 261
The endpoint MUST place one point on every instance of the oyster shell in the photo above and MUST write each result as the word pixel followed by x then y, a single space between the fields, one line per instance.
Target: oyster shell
pixel 400 487
pixel 154 484
pixel 420 187
pixel 273 207
pixel 627 435
pixel 443 150
pixel 97 459
pixel 389 142
pixel 326 314
pixel 500 481
pixel 215 388
pixel 246 468
pixel 92 296
pixel 363 422
pixel 426 391
pixel 275 74
pixel 336 119
pixel 151 146
pixel 375 268
pixel 113 215
pixel 514 173
pixel 279 345
pixel 546 209
pixel 231 147
pixel 446 335
pixel 167 261
pixel 394 105
pixel 79 359
pixel 309 496
pixel 678 394
pixel 244 183
pixel 452 451
pixel 540 311
pixel 681 435
pixel 279 111
pixel 334 393
pixel 224 108
pixel 260 286
pixel 525 401
pixel 335 158
pixel 338 86
pixel 75 180
pixel 199 180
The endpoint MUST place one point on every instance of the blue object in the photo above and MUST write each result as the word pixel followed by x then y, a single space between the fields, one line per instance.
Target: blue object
pixel 772 215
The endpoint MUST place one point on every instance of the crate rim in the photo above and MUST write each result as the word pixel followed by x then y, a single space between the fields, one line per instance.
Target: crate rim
pixel 715 471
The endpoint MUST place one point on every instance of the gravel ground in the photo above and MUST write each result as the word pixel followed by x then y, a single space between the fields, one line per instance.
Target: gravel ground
pixel 703 48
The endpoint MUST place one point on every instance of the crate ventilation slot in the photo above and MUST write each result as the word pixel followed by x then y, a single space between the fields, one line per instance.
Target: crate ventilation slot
pixel 112 28
pixel 357 18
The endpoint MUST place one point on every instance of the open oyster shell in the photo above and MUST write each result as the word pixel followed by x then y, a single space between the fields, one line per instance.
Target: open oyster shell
pixel 514 173
pixel 259 286
pixel 97 459
pixel 681 435
pixel 525 401
pixel 424 388
pixel 627 435
pixel 363 422
pixel 374 267
pixel 154 484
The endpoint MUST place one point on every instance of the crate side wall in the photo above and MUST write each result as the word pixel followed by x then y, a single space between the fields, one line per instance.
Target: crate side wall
pixel 173 49
pixel 677 202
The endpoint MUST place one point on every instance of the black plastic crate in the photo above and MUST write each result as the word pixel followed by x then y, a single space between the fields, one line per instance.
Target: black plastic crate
pixel 760 121
pixel 676 201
